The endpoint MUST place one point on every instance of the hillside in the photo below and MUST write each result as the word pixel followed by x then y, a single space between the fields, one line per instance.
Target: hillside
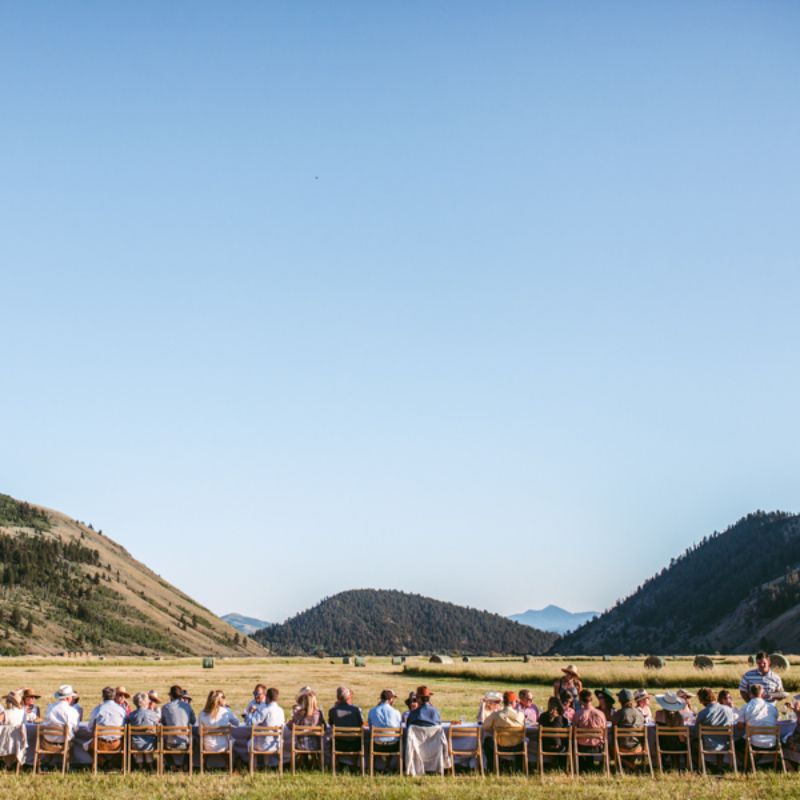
pixel 66 587
pixel 553 618
pixel 383 622
pixel 243 624
pixel 734 592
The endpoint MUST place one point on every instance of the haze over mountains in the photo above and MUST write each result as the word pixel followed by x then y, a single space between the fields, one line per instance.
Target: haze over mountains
pixel 554 618
pixel 733 592
pixel 387 622
pixel 66 587
pixel 245 625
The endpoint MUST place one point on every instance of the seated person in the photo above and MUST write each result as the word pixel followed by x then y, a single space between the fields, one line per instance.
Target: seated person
pixel 714 714
pixel 490 702
pixel 628 716
pixel 272 716
pixel 344 714
pixel 142 745
pixel 32 712
pixel 412 702
pixel 643 704
pixel 307 713
pixel 759 713
pixel 426 714
pixel 669 716
pixel 526 705
pixel 589 717
pixel 177 713
pixel 725 698
pixel 605 701
pixel 14 713
pixel 217 714
pixel 688 712
pixel 507 725
pixel 567 703
pixel 254 712
pixel 62 713
pixel 110 713
pixel 554 717
pixel 385 715
pixel 793 742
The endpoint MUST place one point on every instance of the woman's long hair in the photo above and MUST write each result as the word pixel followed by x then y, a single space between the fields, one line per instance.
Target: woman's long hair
pixel 308 704
pixel 214 702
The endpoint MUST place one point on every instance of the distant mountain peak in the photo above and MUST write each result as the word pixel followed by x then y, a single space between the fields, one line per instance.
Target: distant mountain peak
pixel 243 624
pixel 553 618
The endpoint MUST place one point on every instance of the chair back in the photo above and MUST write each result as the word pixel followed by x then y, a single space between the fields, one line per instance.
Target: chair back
pixel 639 733
pixel 464 739
pixel 680 734
pixel 306 732
pixel 718 732
pixel 141 730
pixel 385 733
pixel 103 733
pixel 512 736
pixel 591 733
pixel 762 730
pixel 223 731
pixel 169 733
pixel 347 733
pixel 267 732
pixel 560 735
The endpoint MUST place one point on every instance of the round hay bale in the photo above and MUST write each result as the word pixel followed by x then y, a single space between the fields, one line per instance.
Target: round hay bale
pixel 751 660
pixel 654 662
pixel 527 658
pixel 466 659
pixel 606 658
pixel 703 662
pixel 779 662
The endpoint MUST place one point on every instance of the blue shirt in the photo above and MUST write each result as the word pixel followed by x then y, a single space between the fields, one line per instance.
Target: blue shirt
pixel 426 716
pixel 384 716
pixel 716 714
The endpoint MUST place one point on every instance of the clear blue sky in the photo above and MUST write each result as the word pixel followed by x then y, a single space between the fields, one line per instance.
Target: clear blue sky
pixel 494 302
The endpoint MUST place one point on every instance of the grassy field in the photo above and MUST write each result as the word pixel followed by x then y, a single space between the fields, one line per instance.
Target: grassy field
pixel 219 787
pixel 458 687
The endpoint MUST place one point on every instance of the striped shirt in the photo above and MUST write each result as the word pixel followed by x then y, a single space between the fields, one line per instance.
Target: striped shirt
pixel 769 680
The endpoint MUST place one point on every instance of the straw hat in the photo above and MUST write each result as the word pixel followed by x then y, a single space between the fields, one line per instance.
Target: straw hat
pixel 64 691
pixel 641 694
pixel 570 669
pixel 686 695
pixel 26 693
pixel 670 701
pixel 493 697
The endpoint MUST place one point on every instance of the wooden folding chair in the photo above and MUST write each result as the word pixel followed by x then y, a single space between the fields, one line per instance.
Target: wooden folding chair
pixel 272 734
pixel 308 732
pixel 46 746
pixel 385 733
pixel 216 730
pixel 341 733
pixel 500 752
pixel 151 731
pixel 562 736
pixel 461 735
pixel 108 748
pixel 171 735
pixel 718 732
pixel 642 750
pixel 752 754
pixel 591 733
pixel 670 736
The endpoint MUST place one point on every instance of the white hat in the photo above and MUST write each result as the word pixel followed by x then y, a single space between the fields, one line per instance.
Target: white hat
pixel 641 694
pixel 670 701
pixel 65 690
pixel 493 697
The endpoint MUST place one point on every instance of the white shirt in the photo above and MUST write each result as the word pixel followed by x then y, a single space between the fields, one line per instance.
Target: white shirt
pixel 272 716
pixel 33 714
pixel 224 717
pixel 62 713
pixel 13 716
pixel 108 713
pixel 759 712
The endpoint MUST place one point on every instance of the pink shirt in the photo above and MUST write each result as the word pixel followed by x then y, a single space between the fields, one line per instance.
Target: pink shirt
pixel 589 718
pixel 531 713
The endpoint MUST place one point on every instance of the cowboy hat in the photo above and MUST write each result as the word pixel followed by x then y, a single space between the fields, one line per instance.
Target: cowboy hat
pixel 26 693
pixel 493 697
pixel 570 669
pixel 121 690
pixel 670 701
pixel 605 693
pixel 687 695
pixel 64 691
pixel 641 694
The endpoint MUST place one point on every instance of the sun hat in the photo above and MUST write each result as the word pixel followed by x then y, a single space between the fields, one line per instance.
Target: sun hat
pixel 15 698
pixel 625 696
pixel 570 669
pixel 605 693
pixel 670 701
pixel 64 691
pixel 493 697
pixel 640 694
pixel 686 695
pixel 26 693
pixel 153 697
pixel 424 691
pixel 121 690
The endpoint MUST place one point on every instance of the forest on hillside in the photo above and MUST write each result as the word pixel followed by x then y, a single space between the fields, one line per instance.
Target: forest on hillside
pixel 383 622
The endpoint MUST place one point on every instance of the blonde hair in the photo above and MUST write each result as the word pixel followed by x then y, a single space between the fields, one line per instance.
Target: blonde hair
pixel 214 702
pixel 14 699
pixel 308 704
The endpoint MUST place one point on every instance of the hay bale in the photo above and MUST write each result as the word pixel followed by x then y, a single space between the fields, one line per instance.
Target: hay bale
pixel 360 661
pixel 779 662
pixel 398 660
pixel 654 662
pixel 703 662
pixel 347 659
pixel 208 663
pixel 527 658
pixel 606 658
pixel 438 658
pixel 466 659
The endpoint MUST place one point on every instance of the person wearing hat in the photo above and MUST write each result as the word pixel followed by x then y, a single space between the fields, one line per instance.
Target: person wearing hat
pixel 154 703
pixel 121 696
pixel 13 714
pixel 605 701
pixel 507 725
pixel 32 712
pixel 570 682
pixel 426 714
pixel 642 698
pixel 62 712
pixel 687 710
pixel 628 716
pixel 385 715
pixel 669 716
pixel 177 712
pixel 490 702
pixel 412 702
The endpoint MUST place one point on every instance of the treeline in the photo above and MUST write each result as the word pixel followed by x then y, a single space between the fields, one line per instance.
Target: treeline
pixel 678 609
pixel 384 622
pixel 17 514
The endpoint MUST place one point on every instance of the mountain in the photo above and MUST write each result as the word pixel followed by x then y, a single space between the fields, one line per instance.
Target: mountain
pixel 245 625
pixel 385 622
pixel 553 618
pixel 67 587
pixel 734 592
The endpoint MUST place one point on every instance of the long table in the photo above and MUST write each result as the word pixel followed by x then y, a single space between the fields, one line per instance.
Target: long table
pixel 81 755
